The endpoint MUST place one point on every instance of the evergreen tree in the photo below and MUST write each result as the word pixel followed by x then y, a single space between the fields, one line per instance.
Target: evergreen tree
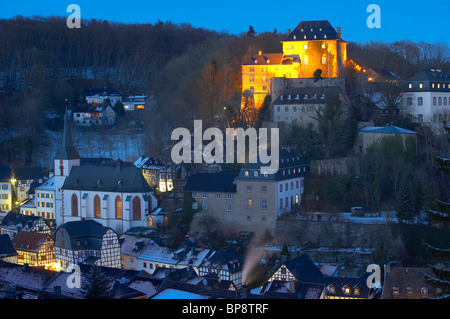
pixel 440 216
pixel 405 203
pixel 96 286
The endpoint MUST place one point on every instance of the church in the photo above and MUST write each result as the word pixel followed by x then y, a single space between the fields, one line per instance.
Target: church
pixel 113 193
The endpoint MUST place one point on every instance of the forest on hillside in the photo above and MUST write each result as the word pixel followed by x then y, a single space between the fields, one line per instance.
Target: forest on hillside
pixel 193 73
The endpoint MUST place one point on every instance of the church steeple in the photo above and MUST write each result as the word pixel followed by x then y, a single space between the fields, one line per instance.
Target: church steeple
pixel 67 150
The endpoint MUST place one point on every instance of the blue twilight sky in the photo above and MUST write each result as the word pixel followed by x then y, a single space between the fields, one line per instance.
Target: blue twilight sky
pixel 416 20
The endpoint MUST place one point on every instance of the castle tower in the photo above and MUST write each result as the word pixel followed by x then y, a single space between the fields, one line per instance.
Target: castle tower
pixel 66 157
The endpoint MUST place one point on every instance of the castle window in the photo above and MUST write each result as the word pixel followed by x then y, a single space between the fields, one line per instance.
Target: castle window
pixel 252 78
pixel 420 101
pixel 249 203
pixel 305 46
pixel 324 60
pixel 305 60
pixel 324 46
pixel 410 85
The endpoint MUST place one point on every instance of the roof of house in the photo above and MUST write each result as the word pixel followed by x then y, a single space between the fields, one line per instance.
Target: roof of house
pixel 17 221
pixel 101 91
pixel 150 162
pixel 115 178
pixel 306 95
pixel 430 75
pixel 121 291
pixel 29 241
pixel 389 129
pixel 84 228
pixel 5 173
pixel 92 108
pixel 95 161
pixel 28 173
pixel 282 289
pixel 313 30
pixel 67 151
pixel 403 278
pixel 227 259
pixel 303 266
pixel 211 182
pixel 290 165
pixel 48 185
pixel 6 247
pixel 265 59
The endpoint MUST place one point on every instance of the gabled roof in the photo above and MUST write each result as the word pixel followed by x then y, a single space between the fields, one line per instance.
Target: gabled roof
pixel 282 289
pixel 389 129
pixel 84 228
pixel 313 30
pixel 107 179
pixel 29 241
pixel 265 59
pixel 303 266
pixel 28 173
pixel 101 91
pixel 17 221
pixel 6 247
pixel 225 258
pixel 211 182
pixel 67 151
pixel 121 291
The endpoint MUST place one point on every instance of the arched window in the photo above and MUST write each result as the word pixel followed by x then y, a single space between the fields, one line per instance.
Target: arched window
pixel 150 222
pixel 74 205
pixel 136 208
pixel 118 207
pixel 97 207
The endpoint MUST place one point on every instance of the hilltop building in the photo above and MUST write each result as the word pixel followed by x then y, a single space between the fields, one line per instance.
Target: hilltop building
pixel 312 45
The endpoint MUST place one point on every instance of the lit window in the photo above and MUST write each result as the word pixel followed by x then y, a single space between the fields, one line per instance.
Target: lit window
pixel 410 85
pixel 246 173
pixel 421 85
pixel 305 46
pixel 324 60
pixel 324 46
pixel 249 203
pixel 395 291
pixel 424 291
pixel 305 60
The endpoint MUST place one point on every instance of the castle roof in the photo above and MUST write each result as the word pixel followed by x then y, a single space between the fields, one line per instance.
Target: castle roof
pixel 313 30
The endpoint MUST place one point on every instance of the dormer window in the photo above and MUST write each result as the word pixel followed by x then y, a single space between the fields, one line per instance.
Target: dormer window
pixel 324 36
pixel 395 291
pixel 331 289
pixel 246 173
pixel 347 290
pixel 356 291
pixel 255 174
pixel 409 291
pixel 410 85
pixel 424 292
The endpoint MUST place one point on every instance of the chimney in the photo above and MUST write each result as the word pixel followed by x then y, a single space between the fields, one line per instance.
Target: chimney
pixel 288 31
pixel 339 33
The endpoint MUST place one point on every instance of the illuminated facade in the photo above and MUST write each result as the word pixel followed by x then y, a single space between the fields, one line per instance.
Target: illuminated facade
pixel 34 249
pixel 310 46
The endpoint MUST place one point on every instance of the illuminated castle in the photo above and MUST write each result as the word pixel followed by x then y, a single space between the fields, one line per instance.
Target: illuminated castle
pixel 310 46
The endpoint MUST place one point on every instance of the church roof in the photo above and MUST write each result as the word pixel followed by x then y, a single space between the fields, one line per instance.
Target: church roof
pixel 67 150
pixel 117 178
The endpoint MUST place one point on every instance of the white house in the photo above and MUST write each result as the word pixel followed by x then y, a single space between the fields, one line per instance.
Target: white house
pixel 5 189
pixel 136 102
pixel 45 199
pixel 94 114
pixel 426 98
pixel 99 96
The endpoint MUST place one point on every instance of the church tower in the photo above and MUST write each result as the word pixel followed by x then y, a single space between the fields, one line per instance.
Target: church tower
pixel 66 157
